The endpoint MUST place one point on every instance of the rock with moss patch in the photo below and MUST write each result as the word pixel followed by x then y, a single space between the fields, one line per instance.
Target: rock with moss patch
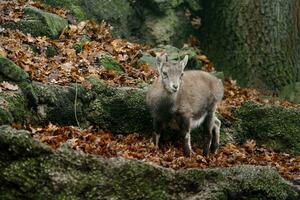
pixel 118 13
pixel 273 126
pixel 39 23
pixel 12 71
pixel 13 107
pixel 194 5
pixel 109 63
pixel 109 104
pixel 69 174
pixel 51 51
pixel 291 92
pixel 163 5
pixel 172 27
pixel 173 53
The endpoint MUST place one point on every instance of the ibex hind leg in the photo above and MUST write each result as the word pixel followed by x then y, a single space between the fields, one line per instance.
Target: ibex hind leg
pixel 208 129
pixel 215 135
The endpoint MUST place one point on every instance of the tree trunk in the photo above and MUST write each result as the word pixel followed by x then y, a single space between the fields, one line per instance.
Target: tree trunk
pixel 255 42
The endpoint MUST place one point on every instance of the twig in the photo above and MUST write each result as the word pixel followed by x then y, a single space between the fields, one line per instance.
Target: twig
pixel 75 107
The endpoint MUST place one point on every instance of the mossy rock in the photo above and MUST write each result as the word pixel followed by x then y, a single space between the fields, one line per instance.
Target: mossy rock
pixel 195 5
pixel 273 126
pixel 79 45
pixel 119 110
pixel 173 53
pixel 291 92
pixel 172 27
pixel 163 5
pixel 39 23
pixel 26 166
pixel 118 13
pixel 72 5
pixel 13 107
pixel 12 71
pixel 56 103
pixel 109 63
pixel 51 51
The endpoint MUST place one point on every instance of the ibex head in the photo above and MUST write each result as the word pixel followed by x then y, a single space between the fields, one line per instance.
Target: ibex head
pixel 171 72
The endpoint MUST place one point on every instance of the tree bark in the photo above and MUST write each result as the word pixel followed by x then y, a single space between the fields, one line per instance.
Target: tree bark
pixel 255 42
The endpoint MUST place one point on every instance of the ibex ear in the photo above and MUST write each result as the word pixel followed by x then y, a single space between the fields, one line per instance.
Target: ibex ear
pixel 160 60
pixel 184 62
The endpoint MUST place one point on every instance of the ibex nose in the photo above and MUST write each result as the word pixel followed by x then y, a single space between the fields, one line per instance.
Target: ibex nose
pixel 174 88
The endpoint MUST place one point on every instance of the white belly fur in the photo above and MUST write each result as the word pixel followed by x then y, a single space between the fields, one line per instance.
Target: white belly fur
pixel 198 122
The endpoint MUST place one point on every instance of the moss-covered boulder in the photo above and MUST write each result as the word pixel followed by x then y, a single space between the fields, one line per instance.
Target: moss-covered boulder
pixel 30 170
pixel 151 21
pixel 171 27
pixel 74 7
pixel 119 110
pixel 164 5
pixel 119 13
pixel 39 23
pixel 109 63
pixel 291 92
pixel 273 126
pixel 13 107
pixel 194 5
pixel 56 103
pixel 173 53
pixel 11 71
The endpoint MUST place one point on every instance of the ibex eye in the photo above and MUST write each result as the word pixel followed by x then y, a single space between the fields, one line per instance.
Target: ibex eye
pixel 165 75
pixel 181 75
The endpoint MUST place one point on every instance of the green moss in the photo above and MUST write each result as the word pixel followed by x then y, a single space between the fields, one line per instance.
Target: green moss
pixel 276 127
pixel 19 144
pixel 172 27
pixel 39 23
pixel 78 47
pixel 13 108
pixel 173 54
pixel 11 70
pixel 67 174
pixel 71 5
pixel 118 13
pixel 109 63
pixel 163 5
pixel 109 105
pixel 194 5
pixel 291 92
pixel 51 51
pixel 53 99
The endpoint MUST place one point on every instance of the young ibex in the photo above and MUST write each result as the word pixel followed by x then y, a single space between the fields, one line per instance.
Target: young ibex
pixel 188 99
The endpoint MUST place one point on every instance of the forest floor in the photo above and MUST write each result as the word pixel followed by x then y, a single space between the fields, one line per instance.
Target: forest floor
pixel 74 60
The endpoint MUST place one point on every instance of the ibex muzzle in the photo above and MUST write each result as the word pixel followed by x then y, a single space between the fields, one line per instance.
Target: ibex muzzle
pixel 188 98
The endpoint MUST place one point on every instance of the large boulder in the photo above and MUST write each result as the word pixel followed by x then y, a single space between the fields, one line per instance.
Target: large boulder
pixel 273 126
pixel 152 21
pixel 39 23
pixel 291 92
pixel 170 27
pixel 10 71
pixel 30 170
pixel 119 13
pixel 173 53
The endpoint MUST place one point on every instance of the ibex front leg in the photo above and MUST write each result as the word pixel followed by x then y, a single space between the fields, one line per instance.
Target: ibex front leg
pixel 185 126
pixel 158 129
